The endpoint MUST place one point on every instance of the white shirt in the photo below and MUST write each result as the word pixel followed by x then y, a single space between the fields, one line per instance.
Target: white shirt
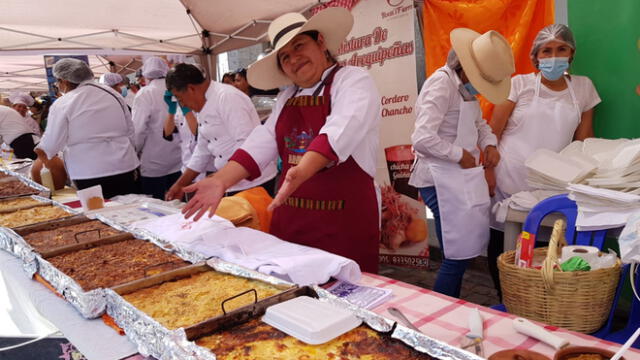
pixel 93 126
pixel 158 157
pixel 352 128
pixel 224 123
pixel 12 125
pixel 523 89
pixel 436 128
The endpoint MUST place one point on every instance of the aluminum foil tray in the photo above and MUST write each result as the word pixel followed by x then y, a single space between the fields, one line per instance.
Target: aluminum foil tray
pixel 420 342
pixel 177 347
pixel 92 304
pixel 42 191
pixel 16 245
pixel 154 339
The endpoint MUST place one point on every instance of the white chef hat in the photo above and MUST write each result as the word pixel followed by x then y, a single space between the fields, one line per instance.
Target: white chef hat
pixel 154 68
pixel 21 98
pixel 111 79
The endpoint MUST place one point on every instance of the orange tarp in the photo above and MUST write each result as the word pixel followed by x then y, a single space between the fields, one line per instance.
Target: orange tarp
pixel 518 20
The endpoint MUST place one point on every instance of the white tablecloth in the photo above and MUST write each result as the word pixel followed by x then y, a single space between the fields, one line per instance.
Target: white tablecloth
pixel 29 301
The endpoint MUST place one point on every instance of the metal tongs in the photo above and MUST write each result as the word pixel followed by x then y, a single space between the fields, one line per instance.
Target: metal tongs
pixel 472 341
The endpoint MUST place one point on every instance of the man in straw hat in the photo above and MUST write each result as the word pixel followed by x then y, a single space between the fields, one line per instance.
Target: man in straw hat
pixel 448 132
pixel 324 127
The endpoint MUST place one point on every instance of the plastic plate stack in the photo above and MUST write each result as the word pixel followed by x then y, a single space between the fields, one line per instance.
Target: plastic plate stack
pixel 548 170
pixel 621 171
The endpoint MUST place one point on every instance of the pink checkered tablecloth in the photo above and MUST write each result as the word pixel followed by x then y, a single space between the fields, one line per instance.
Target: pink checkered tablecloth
pixel 445 318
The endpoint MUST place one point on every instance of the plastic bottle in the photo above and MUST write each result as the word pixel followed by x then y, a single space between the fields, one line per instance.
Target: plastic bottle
pixel 47 179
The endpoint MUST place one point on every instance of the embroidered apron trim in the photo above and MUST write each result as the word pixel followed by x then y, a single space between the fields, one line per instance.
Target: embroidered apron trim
pixel 307 100
pixel 310 204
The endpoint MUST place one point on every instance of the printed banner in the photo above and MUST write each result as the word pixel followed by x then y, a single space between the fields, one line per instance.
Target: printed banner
pixel 383 42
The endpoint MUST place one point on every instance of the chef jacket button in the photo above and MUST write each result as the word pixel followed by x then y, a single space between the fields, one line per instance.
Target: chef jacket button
pixel 220 156
pixel 216 139
pixel 181 124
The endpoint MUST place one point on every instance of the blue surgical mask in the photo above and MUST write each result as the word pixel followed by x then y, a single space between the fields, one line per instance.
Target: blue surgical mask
pixel 471 89
pixel 553 68
pixel 124 91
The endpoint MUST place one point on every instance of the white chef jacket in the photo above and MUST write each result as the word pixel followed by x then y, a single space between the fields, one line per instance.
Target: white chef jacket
pixel 92 125
pixel 352 128
pixel 224 123
pixel 12 125
pixel 436 128
pixel 33 125
pixel 188 140
pixel 158 156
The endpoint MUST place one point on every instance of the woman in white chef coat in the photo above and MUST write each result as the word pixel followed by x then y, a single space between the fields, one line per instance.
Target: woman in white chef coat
pixel 92 125
pixel 545 110
pixel 325 128
pixel 21 102
pixel 449 130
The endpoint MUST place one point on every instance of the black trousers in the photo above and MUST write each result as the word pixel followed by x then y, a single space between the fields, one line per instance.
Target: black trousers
pixel 158 186
pixel 23 147
pixel 496 247
pixel 119 184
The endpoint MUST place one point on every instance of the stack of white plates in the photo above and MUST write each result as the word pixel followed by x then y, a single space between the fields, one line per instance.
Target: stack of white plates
pixel 620 170
pixel 548 170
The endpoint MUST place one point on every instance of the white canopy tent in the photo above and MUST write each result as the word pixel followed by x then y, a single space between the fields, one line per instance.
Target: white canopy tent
pixel 124 27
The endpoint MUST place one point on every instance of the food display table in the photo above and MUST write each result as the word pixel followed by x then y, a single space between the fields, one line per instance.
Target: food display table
pixel 445 318
pixel 438 316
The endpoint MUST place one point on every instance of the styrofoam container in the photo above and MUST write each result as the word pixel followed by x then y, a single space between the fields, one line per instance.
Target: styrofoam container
pixel 310 320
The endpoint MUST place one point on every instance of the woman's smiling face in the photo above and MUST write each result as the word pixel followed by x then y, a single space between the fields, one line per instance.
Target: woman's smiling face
pixel 303 60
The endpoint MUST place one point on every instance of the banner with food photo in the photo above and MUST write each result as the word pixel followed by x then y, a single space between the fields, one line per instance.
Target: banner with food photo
pixel 383 42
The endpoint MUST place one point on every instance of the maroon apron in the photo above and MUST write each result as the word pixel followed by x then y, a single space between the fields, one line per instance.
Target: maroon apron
pixel 336 210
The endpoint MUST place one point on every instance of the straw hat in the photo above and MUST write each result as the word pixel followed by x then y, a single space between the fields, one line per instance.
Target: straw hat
pixel 333 23
pixel 487 60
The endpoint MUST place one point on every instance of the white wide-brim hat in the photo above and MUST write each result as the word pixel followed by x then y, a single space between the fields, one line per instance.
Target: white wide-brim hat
pixel 333 23
pixel 487 60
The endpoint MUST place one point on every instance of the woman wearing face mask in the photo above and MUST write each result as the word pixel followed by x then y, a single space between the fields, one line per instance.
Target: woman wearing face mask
pixel 448 137
pixel 545 110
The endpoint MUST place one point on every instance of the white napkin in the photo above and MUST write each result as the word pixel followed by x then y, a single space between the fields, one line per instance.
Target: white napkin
pixel 254 249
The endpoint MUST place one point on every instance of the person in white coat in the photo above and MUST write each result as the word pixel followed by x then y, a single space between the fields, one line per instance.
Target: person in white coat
pixel 449 130
pixel 16 133
pixel 160 159
pixel 91 124
pixel 545 110
pixel 21 102
pixel 226 117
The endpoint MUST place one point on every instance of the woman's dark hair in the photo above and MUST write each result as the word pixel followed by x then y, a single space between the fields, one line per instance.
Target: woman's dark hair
pixel 228 75
pixel 182 75
pixel 313 34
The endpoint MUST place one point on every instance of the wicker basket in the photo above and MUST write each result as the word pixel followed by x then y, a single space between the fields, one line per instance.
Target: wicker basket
pixel 578 301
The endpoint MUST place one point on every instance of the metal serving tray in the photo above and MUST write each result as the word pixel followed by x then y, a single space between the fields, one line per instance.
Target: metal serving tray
pixel 92 303
pixel 153 338
pixel 13 243
pixel 37 188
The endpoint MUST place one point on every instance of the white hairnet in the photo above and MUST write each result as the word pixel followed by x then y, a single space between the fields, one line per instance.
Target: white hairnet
pixel 111 79
pixel 21 98
pixel 154 68
pixel 73 70
pixel 558 32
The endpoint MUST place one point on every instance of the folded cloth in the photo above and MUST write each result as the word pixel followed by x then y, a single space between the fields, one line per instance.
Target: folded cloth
pixel 253 249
